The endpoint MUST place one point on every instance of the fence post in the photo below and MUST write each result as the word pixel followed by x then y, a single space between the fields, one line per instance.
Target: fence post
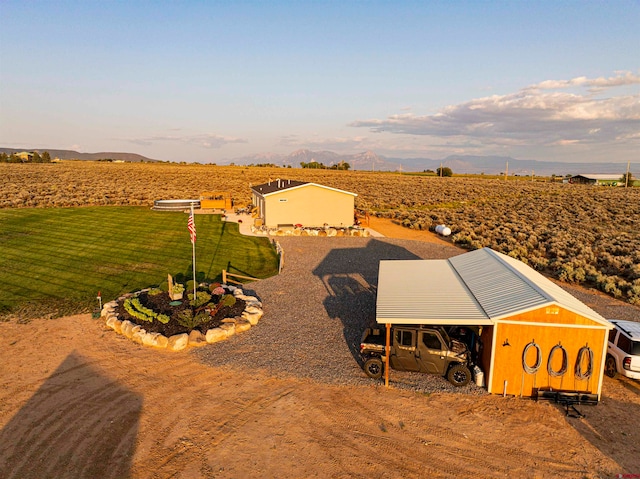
pixel 224 276
pixel 280 252
pixel 281 259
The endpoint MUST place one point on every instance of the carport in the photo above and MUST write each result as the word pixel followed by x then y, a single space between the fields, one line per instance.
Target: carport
pixel 536 336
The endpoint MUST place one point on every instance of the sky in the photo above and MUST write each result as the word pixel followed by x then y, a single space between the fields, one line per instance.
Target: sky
pixel 210 81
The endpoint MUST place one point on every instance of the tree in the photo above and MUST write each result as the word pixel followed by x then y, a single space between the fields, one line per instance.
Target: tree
pixel 36 157
pixel 46 158
pixel 343 165
pixel 446 171
pixel 312 164
pixel 627 179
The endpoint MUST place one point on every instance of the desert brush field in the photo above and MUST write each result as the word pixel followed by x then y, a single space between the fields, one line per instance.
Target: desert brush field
pixel 78 400
pixel 576 233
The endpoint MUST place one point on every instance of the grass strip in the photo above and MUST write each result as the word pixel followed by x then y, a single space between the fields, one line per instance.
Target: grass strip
pixel 55 260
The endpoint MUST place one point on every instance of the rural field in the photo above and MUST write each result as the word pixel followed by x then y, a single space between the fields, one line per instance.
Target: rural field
pixel 78 400
pixel 578 234
pixel 56 261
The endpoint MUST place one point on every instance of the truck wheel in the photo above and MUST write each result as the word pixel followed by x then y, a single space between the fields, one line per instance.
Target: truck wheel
pixel 373 368
pixel 459 375
pixel 610 367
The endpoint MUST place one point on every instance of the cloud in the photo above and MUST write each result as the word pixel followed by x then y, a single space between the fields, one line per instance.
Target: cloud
pixel 210 141
pixel 536 115
pixel 597 84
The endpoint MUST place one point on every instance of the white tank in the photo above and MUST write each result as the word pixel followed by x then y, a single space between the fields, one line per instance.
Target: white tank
pixel 479 376
pixel 443 230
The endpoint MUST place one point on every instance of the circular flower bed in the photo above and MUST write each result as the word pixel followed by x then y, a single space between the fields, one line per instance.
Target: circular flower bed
pixel 154 310
pixel 153 318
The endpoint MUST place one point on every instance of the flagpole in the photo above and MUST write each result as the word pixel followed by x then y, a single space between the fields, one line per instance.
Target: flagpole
pixel 193 247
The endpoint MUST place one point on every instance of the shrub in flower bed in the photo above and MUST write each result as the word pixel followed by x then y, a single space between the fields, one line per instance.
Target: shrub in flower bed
pixel 153 310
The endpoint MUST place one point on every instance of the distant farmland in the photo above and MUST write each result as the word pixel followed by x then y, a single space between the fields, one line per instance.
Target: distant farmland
pixel 579 234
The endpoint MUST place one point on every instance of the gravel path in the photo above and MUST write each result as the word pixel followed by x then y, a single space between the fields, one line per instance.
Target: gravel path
pixel 317 308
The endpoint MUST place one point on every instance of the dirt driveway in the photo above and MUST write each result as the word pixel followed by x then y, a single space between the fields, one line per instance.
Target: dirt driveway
pixel 76 400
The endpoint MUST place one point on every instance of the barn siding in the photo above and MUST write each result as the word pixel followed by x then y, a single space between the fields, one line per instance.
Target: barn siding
pixel 556 315
pixel 507 360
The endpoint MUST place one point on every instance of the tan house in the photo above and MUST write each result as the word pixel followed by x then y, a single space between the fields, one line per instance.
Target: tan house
pixel 535 336
pixel 290 202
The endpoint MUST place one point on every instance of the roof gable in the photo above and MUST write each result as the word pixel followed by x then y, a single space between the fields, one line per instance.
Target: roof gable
pixel 279 185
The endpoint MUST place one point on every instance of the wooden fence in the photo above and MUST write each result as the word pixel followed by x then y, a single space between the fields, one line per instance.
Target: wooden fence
pixel 226 276
pixel 226 279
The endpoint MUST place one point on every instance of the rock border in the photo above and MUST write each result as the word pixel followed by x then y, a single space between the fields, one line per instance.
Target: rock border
pixel 250 316
pixel 296 231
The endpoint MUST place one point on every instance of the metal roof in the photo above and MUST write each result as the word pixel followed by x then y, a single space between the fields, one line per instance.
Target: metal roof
pixel 599 176
pixel 278 185
pixel 419 291
pixel 630 327
pixel 478 287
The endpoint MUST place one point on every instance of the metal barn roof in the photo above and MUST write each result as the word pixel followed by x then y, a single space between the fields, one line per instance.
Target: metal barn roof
pixel 412 291
pixel 478 287
pixel 598 176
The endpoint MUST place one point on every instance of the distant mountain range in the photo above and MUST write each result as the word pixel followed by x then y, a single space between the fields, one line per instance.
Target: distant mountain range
pixel 75 155
pixel 490 165
pixel 368 160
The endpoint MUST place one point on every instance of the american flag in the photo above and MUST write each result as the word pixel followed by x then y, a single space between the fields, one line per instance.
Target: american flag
pixel 191 226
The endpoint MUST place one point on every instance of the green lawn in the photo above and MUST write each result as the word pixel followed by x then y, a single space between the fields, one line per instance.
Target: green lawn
pixel 55 260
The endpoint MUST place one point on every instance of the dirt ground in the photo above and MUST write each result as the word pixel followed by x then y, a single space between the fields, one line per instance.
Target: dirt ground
pixel 77 400
pixel 391 229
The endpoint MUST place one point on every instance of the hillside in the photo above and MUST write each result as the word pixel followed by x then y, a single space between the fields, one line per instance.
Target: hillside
pixel 75 155
pixel 371 161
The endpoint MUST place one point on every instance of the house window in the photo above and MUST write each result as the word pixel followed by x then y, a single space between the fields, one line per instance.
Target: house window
pixel 283 200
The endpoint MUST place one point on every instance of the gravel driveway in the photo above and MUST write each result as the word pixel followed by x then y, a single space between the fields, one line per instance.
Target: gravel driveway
pixel 316 310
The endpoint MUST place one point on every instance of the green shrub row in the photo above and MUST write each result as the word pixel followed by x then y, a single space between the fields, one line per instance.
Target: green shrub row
pixel 134 307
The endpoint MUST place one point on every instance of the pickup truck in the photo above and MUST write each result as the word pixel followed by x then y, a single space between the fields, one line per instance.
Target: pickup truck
pixel 416 348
